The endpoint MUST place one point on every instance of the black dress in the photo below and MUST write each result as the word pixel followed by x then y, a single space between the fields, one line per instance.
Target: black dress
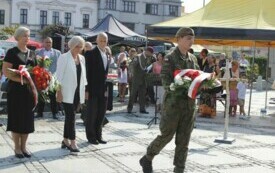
pixel 20 99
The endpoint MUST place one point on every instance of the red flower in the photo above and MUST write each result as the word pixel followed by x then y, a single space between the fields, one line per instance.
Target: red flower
pixel 41 78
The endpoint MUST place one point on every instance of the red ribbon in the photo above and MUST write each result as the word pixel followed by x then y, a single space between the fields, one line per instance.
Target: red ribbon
pixel 23 71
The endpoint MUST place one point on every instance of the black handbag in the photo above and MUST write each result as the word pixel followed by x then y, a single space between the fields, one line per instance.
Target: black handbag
pixel 5 86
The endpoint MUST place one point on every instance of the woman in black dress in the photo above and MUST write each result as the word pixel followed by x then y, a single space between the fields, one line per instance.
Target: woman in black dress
pixel 20 99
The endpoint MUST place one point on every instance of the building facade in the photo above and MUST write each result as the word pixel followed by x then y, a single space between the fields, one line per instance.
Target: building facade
pixel 79 15
pixel 138 14
pixel 5 12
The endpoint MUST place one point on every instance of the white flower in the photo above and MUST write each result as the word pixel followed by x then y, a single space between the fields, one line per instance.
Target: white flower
pixel 172 87
pixel 187 78
pixel 178 81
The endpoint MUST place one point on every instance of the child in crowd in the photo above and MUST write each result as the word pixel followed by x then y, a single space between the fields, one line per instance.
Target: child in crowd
pixel 122 79
pixel 241 88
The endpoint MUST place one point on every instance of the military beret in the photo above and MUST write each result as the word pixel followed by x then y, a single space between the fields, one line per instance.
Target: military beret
pixel 184 32
pixel 150 49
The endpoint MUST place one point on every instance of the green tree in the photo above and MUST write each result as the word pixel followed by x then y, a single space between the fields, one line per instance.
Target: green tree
pixel 7 32
pixel 50 30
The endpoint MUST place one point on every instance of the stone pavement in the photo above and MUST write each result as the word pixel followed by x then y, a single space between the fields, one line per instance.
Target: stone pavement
pixel 128 136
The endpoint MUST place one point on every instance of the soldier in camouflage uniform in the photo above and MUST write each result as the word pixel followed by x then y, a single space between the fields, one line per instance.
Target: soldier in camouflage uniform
pixel 139 67
pixel 177 112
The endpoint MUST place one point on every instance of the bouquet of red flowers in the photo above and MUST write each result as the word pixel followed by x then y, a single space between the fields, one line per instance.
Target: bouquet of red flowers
pixel 43 79
pixel 190 82
pixel 41 75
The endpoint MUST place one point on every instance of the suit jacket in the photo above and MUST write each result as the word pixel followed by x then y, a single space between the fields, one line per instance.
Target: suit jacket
pixel 66 75
pixel 96 73
pixel 202 65
pixel 54 56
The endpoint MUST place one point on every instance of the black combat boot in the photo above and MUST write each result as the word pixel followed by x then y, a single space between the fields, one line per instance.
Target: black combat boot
pixel 178 170
pixel 146 165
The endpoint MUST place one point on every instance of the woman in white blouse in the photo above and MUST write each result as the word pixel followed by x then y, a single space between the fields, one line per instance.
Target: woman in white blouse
pixel 71 73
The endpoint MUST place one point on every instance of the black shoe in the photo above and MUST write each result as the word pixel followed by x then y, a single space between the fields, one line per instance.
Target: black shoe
pixel 55 117
pixel 93 141
pixel 39 115
pixel 1 124
pixel 144 112
pixel 146 165
pixel 178 170
pixel 63 145
pixel 74 150
pixel 101 141
pixel 129 110
pixel 20 156
pixel 27 155
pixel 105 121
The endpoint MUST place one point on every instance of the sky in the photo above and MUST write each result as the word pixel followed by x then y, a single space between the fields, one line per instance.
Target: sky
pixel 193 5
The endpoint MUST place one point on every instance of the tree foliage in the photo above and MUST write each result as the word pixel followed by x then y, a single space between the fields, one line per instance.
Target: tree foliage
pixel 50 30
pixel 7 32
pixel 10 30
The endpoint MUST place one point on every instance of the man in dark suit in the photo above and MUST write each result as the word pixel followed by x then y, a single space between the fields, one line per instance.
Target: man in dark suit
pixel 97 62
pixel 202 60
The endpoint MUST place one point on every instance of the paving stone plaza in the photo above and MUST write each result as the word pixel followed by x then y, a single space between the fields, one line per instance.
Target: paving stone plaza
pixel 128 136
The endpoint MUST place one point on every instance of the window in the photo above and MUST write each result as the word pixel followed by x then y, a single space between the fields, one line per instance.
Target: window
pixel 152 9
pixel 68 19
pixel 129 6
pixel 111 4
pixel 55 17
pixel 129 25
pixel 86 20
pixel 23 16
pixel 43 18
pixel 2 17
pixel 173 10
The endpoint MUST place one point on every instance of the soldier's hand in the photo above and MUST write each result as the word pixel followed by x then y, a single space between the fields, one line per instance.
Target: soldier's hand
pixel 86 95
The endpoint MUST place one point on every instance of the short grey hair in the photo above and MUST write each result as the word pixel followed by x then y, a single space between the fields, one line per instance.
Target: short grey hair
pixel 20 32
pixel 76 41
pixel 102 34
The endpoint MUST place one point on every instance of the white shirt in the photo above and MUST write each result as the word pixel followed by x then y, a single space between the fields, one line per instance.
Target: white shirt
pixel 241 90
pixel 244 62
pixel 104 57
pixel 48 53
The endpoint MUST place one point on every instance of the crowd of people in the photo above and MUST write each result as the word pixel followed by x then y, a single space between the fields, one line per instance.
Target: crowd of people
pixel 237 69
pixel 82 73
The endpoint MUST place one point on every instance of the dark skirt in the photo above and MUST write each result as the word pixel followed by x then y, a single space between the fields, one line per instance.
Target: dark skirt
pixel 20 103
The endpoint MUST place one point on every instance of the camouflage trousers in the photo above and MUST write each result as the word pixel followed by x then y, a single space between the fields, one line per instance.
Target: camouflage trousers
pixel 177 118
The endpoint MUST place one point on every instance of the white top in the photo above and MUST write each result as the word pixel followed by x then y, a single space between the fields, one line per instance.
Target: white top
pixel 122 78
pixel 66 75
pixel 241 90
pixel 244 62
pixel 104 57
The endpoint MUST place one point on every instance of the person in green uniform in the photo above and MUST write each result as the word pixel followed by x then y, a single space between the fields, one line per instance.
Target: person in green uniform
pixel 139 67
pixel 178 113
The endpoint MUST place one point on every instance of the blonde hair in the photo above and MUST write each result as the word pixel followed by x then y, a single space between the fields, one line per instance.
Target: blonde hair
pixel 20 32
pixel 76 41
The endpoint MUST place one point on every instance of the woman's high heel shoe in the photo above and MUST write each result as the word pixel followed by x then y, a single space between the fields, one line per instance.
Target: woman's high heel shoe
pixel 27 155
pixel 74 151
pixel 63 145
